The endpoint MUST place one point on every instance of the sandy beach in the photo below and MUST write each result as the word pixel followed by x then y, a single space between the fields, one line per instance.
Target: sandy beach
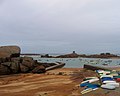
pixel 58 82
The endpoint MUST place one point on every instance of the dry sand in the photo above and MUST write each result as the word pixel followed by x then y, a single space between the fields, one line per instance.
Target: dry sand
pixel 58 82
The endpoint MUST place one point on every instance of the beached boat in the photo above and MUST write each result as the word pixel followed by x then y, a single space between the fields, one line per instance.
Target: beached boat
pixel 107 86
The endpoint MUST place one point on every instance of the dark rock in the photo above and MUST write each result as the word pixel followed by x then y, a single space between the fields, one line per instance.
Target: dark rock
pixel 16 60
pixel 28 62
pixel 27 58
pixel 15 67
pixel 4 70
pixel 47 64
pixel 39 69
pixel 24 69
pixel 8 64
pixel 2 60
pixel 12 66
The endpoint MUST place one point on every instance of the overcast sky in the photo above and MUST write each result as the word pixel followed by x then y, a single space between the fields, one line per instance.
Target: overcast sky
pixel 61 26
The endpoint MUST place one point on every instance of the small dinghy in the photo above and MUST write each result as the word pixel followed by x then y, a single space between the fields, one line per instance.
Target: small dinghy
pixel 90 87
pixel 93 86
pixel 113 84
pixel 90 80
pixel 107 86
pixel 86 90
pixel 115 77
pixel 106 76
pixel 103 72
pixel 84 84
pixel 108 81
pixel 99 71
pixel 118 79
pixel 93 80
pixel 106 72
pixel 118 72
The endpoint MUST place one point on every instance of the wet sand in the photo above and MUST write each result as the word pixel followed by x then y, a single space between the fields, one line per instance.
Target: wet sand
pixel 58 82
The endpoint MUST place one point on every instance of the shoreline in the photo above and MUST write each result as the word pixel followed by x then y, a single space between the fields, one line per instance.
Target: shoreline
pixel 57 82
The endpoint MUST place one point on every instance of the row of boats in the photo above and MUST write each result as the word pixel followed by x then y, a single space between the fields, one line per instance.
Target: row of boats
pixel 106 80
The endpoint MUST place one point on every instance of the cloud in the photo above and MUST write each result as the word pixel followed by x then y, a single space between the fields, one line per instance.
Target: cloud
pixel 63 25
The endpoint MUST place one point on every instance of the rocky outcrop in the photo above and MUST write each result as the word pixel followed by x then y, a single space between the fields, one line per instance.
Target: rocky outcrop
pixel 21 65
pixel 9 51
pixel 12 63
pixel 39 69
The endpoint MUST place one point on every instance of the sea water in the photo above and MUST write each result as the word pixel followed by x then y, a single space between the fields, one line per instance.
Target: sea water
pixel 79 62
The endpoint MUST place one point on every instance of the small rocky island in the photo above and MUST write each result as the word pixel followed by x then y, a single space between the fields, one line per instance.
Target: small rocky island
pixel 12 63
pixel 75 55
pixel 101 55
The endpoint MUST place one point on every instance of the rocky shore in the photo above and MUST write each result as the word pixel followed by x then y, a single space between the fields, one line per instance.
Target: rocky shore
pixel 57 82
pixel 12 63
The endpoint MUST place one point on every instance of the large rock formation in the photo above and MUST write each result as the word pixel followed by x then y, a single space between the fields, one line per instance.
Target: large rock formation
pixel 21 65
pixel 12 63
pixel 9 51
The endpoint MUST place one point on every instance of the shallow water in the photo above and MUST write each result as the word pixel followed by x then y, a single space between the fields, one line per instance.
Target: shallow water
pixel 79 62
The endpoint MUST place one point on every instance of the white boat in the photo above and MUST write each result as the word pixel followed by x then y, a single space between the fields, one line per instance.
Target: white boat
pixel 105 86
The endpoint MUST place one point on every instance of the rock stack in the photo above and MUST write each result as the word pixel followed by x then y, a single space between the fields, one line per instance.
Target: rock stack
pixel 12 63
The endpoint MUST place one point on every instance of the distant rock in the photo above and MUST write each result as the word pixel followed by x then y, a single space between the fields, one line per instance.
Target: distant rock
pixel 72 55
pixel 102 55
pixel 46 56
